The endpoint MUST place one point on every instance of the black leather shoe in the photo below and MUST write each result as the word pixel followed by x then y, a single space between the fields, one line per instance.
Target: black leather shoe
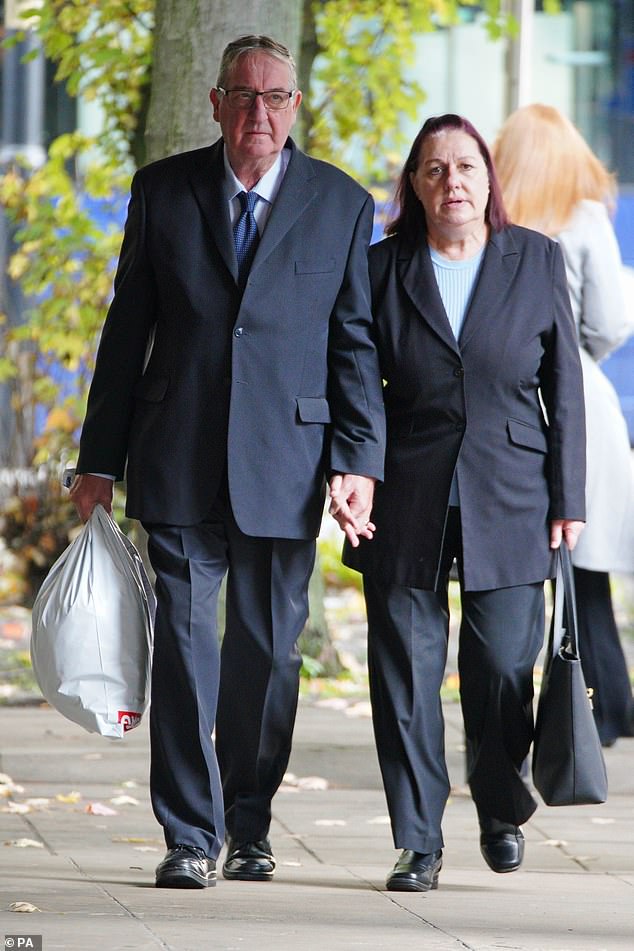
pixel 503 851
pixel 415 872
pixel 185 866
pixel 249 861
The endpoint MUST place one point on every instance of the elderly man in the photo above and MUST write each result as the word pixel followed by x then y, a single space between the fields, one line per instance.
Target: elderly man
pixel 235 374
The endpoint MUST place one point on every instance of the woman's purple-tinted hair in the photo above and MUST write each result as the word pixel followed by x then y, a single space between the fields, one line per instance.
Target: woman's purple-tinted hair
pixel 409 221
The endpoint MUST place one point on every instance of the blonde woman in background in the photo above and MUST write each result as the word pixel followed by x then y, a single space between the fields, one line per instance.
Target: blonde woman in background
pixel 553 182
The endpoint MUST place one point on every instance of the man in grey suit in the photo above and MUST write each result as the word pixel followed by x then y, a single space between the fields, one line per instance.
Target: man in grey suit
pixel 235 375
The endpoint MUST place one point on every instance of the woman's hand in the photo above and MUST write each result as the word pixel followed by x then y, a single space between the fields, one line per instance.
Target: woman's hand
pixel 350 505
pixel 566 528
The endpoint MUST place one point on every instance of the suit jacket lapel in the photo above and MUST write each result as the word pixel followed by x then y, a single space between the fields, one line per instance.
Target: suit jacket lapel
pixel 207 179
pixel 417 274
pixel 501 259
pixel 297 191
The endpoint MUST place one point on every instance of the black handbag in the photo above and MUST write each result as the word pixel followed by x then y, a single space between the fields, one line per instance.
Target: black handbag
pixel 568 765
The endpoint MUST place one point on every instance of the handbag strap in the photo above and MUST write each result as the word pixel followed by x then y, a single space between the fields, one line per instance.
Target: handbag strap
pixel 567 634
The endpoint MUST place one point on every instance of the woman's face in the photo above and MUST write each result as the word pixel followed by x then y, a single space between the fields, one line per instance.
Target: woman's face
pixel 451 182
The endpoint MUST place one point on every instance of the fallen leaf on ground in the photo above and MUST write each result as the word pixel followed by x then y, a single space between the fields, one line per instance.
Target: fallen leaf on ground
pixel 39 803
pixel 70 797
pixel 19 808
pixel 461 791
pixel 378 821
pixel 312 782
pixel 8 787
pixel 25 844
pixel 99 809
pixel 24 906
pixel 332 703
pixel 135 838
pixel 124 801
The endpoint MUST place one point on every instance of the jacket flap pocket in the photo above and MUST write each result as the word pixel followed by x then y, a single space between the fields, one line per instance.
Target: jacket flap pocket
pixel 313 409
pixel 315 267
pixel 152 388
pixel 523 434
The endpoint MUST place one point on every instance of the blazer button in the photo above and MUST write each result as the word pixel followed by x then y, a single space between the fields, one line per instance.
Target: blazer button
pixel 237 332
pixel 459 371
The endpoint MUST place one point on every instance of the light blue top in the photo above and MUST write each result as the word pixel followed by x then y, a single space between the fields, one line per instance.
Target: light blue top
pixel 456 280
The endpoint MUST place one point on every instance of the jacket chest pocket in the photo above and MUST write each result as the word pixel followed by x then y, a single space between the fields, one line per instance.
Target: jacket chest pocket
pixel 325 266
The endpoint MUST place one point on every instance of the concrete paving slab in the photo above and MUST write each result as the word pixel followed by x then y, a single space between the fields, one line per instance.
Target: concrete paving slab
pixel 92 878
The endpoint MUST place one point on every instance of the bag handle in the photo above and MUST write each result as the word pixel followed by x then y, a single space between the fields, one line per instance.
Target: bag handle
pixel 564 635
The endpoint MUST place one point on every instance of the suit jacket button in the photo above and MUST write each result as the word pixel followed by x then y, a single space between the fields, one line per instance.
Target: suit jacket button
pixel 459 371
pixel 237 332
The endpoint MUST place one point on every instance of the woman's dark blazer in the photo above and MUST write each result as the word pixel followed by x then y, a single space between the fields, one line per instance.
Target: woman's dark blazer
pixel 476 406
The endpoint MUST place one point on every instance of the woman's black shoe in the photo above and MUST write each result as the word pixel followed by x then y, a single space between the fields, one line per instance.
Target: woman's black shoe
pixel 503 851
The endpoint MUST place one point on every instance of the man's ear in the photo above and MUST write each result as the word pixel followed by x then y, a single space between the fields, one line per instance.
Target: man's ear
pixel 214 99
pixel 295 105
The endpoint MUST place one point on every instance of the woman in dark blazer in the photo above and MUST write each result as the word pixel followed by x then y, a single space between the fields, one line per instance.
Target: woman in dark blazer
pixel 485 464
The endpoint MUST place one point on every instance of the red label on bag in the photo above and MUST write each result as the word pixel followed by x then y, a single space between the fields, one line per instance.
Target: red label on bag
pixel 129 719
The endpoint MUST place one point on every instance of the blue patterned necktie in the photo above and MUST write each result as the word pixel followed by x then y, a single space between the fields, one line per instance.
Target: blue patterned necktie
pixel 245 234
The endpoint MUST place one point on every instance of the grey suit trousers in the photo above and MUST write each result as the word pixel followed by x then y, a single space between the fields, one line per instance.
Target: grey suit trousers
pixel 246 690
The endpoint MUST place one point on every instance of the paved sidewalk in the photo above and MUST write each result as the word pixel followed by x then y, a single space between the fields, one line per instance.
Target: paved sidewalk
pixel 91 875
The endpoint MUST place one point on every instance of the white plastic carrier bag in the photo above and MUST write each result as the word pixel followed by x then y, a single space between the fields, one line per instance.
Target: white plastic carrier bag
pixel 91 641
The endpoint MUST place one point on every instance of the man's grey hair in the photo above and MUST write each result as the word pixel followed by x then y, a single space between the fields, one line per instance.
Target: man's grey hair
pixel 253 43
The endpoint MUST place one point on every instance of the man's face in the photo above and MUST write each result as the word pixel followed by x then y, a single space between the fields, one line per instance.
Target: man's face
pixel 255 134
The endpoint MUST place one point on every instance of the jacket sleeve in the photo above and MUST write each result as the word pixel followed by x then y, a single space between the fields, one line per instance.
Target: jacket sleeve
pixel 604 321
pixel 562 393
pixel 354 380
pixel 122 350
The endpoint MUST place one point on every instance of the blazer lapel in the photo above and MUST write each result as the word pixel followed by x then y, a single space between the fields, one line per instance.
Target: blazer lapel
pixel 501 259
pixel 417 274
pixel 207 179
pixel 297 191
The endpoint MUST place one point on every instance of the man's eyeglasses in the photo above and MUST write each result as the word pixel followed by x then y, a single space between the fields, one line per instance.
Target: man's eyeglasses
pixel 273 99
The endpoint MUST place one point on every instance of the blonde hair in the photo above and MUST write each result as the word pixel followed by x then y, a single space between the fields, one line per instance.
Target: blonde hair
pixel 546 168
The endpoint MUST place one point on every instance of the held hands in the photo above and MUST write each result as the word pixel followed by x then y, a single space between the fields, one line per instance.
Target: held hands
pixel 351 504
pixel 88 491
pixel 566 528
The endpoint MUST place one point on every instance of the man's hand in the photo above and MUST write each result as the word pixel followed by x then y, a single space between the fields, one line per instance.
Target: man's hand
pixel 351 504
pixel 566 528
pixel 90 490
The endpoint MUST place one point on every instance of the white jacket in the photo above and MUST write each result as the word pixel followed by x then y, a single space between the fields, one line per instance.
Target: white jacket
pixel 601 294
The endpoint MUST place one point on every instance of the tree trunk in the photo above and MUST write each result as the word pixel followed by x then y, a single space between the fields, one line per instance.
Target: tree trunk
pixel 188 42
pixel 309 49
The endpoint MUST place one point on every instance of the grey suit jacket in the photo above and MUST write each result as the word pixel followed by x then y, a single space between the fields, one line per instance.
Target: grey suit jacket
pixel 474 407
pixel 277 386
